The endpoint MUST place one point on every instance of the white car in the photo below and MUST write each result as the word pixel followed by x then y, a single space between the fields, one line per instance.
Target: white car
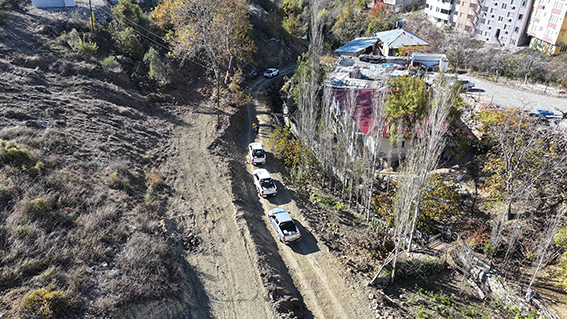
pixel 285 228
pixel 256 153
pixel 271 72
pixel 264 183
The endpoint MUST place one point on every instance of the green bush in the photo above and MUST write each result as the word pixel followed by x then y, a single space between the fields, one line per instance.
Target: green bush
pixel 14 154
pixel 126 42
pixel 45 303
pixel 110 63
pixel 79 44
pixel 158 68
pixel 37 208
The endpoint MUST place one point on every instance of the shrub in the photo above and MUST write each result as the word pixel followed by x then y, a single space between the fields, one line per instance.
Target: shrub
pixel 37 208
pixel 13 154
pixel 79 44
pixel 158 68
pixel 44 303
pixel 322 199
pixel 151 267
pixel 110 63
pixel 127 43
pixel 154 178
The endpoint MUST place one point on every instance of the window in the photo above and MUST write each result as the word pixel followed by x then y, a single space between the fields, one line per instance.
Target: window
pixel 503 39
pixel 492 10
pixel 510 15
pixel 520 16
pixel 513 2
pixel 489 22
pixel 479 32
pixel 524 3
pixel 507 27
pixel 513 42
pixel 464 3
pixel 482 21
pixel 486 33
pixel 500 18
pixel 563 49
pixel 460 15
pixel 554 19
pixel 540 28
pixel 504 6
pixel 549 32
pixel 437 9
pixel 558 5
pixel 516 29
pixel 484 9
pixel 445 11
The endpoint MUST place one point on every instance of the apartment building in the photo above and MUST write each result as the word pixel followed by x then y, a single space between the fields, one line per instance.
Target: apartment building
pixel 548 25
pixel 441 11
pixel 503 22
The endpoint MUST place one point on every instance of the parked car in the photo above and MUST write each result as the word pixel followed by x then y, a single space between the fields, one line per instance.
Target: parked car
pixel 256 153
pixel 285 228
pixel 270 73
pixel 264 183
pixel 465 84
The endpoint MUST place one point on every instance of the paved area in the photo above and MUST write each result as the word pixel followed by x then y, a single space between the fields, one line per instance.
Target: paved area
pixel 508 96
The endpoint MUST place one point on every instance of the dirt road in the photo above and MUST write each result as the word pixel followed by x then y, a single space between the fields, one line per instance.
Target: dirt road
pixel 326 288
pixel 236 268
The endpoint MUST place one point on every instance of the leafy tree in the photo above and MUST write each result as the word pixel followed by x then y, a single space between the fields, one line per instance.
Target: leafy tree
pixel 215 31
pixel 406 106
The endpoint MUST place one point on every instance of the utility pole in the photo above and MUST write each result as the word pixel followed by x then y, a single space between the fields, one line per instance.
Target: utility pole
pixel 91 16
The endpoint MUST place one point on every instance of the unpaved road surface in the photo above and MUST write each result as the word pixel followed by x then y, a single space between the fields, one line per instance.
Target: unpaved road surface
pixel 237 267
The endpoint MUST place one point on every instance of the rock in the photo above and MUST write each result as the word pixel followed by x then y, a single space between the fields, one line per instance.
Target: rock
pixel 371 296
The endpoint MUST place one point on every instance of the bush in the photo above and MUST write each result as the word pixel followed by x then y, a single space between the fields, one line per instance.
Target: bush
pixel 158 68
pixel 13 154
pixel 110 63
pixel 44 303
pixel 127 43
pixel 37 208
pixel 151 268
pixel 79 44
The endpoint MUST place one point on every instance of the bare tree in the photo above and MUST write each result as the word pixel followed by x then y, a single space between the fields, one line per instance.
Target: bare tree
pixel 420 161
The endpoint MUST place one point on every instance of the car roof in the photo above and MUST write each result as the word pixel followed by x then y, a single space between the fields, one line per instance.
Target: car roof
pixel 271 69
pixel 262 173
pixel 255 146
pixel 283 215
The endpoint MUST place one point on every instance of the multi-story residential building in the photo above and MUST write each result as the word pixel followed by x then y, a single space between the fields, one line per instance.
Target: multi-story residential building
pixel 504 22
pixel 441 11
pixel 498 21
pixel 466 15
pixel 548 25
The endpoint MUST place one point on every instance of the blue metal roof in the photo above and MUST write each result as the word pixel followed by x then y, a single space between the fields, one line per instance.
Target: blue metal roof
pixel 357 45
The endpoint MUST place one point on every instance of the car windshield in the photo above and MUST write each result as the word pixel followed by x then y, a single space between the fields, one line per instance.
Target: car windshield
pixel 288 228
pixel 259 153
pixel 267 183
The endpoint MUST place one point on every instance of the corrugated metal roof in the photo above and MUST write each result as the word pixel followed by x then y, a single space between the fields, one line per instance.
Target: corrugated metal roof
pixel 398 38
pixel 357 45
